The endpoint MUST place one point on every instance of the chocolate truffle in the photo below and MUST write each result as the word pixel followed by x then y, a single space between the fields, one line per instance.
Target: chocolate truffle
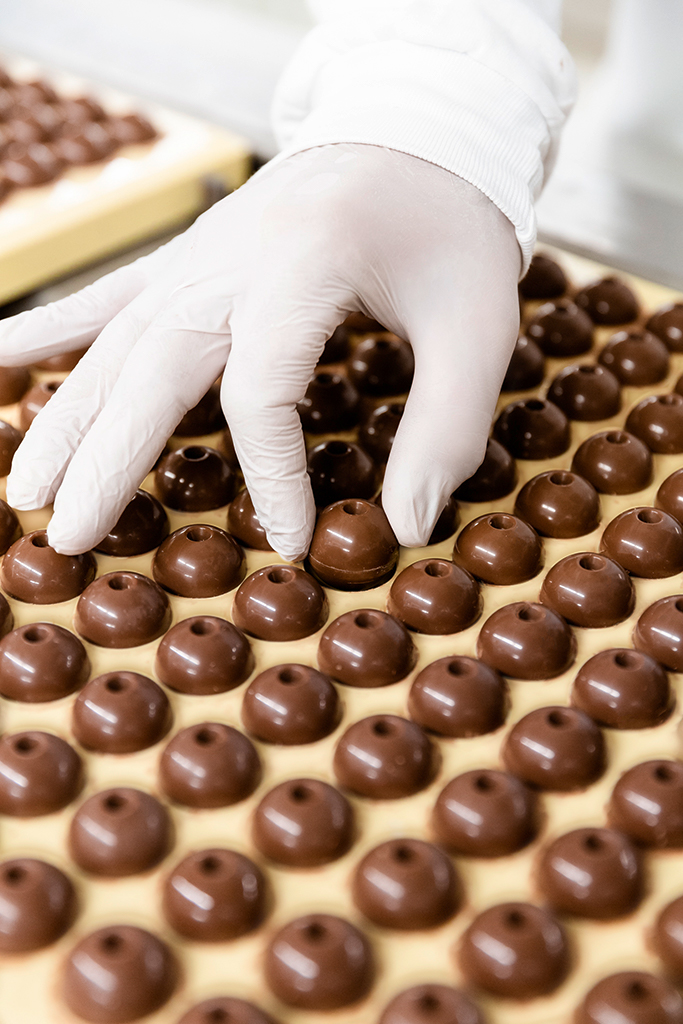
pixel 586 392
pixel 32 164
pixel 670 495
pixel 214 895
pixel 206 417
pixel 243 523
pixel 459 697
pixel 226 1010
pixel 62 363
pixel 668 936
pixel 382 365
pixel 194 479
pixel 447 523
pixel 14 383
pixel 337 347
pixel 527 641
pixel 118 974
pixel 131 129
pixel 533 429
pixel 199 561
pixel 486 813
pixel 10 439
pixel 331 403
pixel 545 279
pixel 338 470
pixel 515 950
pixel 647 804
pixel 280 603
pixel 303 823
pixel 591 872
pixel 658 422
pixel 122 609
pixel 366 648
pixel 203 655
pixel 555 748
pixel 435 596
pixel 34 400
pixel 667 325
pixel 636 358
pixel 353 546
pixel 290 704
pixel 646 541
pixel 589 590
pixel 41 662
pixel 30 93
pixel 37 905
pixel 659 632
pixel 559 504
pixel 614 461
pixel 142 526
pixel 499 548
pixel 609 301
pixel 376 433
pixel 526 368
pixel 84 143
pixel 431 1004
pixel 495 478
pixel 385 757
pixel 34 572
pixel 406 884
pixel 561 329
pixel 209 765
pixel 120 712
pixel 319 962
pixel 631 997
pixel 120 832
pixel 39 774
pixel 623 689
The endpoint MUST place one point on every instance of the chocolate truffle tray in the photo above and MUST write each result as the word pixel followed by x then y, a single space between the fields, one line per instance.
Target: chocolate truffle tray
pixel 441 786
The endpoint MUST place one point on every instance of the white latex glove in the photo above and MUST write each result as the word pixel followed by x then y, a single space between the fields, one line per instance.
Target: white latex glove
pixel 254 288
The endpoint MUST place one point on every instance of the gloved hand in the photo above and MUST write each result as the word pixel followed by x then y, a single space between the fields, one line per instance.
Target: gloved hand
pixel 253 289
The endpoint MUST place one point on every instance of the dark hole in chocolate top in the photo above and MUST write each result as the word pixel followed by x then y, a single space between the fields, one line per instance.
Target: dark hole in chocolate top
pixel 40 540
pixel 199 533
pixel 484 783
pixel 204 737
pixel 403 854
pixel 561 479
pixel 114 802
pixel 111 943
pixel 290 675
pixel 337 448
pixel 300 794
pixel 437 569
pixel 217 1016
pixel 383 728
pixel 501 522
pixel 669 399
pixel 118 583
pixel 366 620
pixel 558 719
pixel 616 437
pixel 636 992
pixel 663 773
pixel 534 405
pixel 281 575
pixel 15 875
pixel 36 634
pixel 116 685
pixel 315 932
pixel 354 508
pixel 326 379
pixel 527 613
pixel 627 659
pixel 679 605
pixel 52 386
pixel 458 667
pixel 195 454
pixel 515 919
pixel 25 745
pixel 203 627
pixel 650 515
pixel 384 343
pixel 593 563
pixel 428 1003
pixel 588 369
pixel 594 843
pixel 210 865
pixel 396 409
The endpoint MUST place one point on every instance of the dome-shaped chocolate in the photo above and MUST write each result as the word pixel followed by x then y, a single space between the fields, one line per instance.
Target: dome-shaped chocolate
pixel 670 495
pixel 526 368
pixel 486 813
pixel 141 527
pixel 35 399
pixel 561 329
pixel 209 765
pixel 39 774
pixel 668 936
pixel 560 504
pixel 591 872
pixel 659 632
pixel 608 301
pixel 499 548
pixel 636 358
pixel 545 279
pixel 385 757
pixel 280 603
pixel 340 470
pixel 614 461
pixel 382 365
pixel 119 832
pixel 34 572
pixel 290 704
pixel 194 479
pixel 37 904
pixel 631 997
pixel 303 823
pixel 14 383
pixel 10 439
pixel 646 541
pixel 533 428
pixel 214 895
pixel 122 609
pixel 446 524
pixel 120 712
pixel 647 804
pixel 527 641
pixel 555 748
pixel 226 1010
pixel 203 655
pixel 667 324
pixel 199 561
pixel 331 403
pixel 435 596
pixel 658 422
pixel 458 697
pixel 623 689
pixel 377 432
pixel 431 1004
pixel 337 347
pixel 366 648
pixel 587 392
pixel 131 129
pixel 353 546
pixel 40 662
pixel 495 478
pixel 589 590
pixel 206 417
pixel 244 525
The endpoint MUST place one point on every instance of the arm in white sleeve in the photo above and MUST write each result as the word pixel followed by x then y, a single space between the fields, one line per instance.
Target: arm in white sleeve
pixel 478 87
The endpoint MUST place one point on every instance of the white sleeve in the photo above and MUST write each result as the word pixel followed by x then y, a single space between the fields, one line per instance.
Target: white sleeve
pixel 478 87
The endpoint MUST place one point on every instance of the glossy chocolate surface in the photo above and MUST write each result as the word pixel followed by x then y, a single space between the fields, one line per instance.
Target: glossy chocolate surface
pixel 34 572
pixel 561 329
pixel 526 368
pixel 382 365
pixel 122 609
pixel 194 479
pixel 366 648
pixel 303 823
pixel 244 525
pixel 668 936
pixel 39 774
pixel 659 632
pixel 647 804
pixel 595 873
pixel 667 324
pixel 209 765
pixel 34 400
pixel 199 561
pixel 385 757
pixel 435 596
pixel 486 813
pixel 458 696
pixel 431 1004
pixel 559 504
pixel 646 541
pixel 527 641
pixel 37 904
pixel 142 526
pixel 614 461
pixel 205 417
pixel 319 962
pixel 130 129
pixel 406 884
pixel 14 383
pixel 623 689
pixel 377 432
pixel 10 439
pixel 339 470
pixel 120 712
pixel 331 403
pixel 41 662
pixel 214 895
pixel 119 832
pixel 447 523
pixel 587 392
pixel 658 422
pixel 545 279
pixel 637 358
pixel 590 590
pixel 290 704
pixel 631 997
pixel 280 603
pixel 353 546
pixel 608 301
pixel 495 478
pixel 226 1010
pixel 499 548
pixel 118 974
pixel 515 950
pixel 533 428
pixel 670 495
pixel 555 748
pixel 203 655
